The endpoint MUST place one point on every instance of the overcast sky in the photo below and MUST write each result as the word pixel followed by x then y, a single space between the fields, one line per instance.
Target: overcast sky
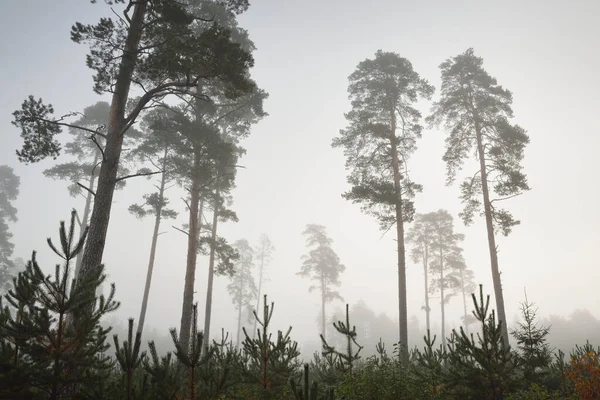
pixel 545 52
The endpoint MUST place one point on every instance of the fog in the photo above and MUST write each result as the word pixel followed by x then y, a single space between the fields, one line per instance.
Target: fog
pixel 545 52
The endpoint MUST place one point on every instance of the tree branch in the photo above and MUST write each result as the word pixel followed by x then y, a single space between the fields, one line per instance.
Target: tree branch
pixel 155 92
pixel 86 188
pixel 78 219
pixel 180 230
pixel 138 174
pixel 93 139
pixel 506 198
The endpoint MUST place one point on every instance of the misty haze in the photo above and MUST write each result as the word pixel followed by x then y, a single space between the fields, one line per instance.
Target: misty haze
pixel 281 199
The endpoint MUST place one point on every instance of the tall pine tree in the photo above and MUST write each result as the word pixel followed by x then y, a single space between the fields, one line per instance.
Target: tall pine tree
pixel 383 127
pixel 476 110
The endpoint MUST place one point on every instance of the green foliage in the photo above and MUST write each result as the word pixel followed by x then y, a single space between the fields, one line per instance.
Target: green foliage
pixel 482 368
pixel 345 361
pixel 270 364
pixel 129 358
pixel 37 130
pixel 192 358
pixel 429 369
pixel 38 345
pixel 381 380
pixel 309 391
pixel 383 91
pixel 476 111
pixel 534 353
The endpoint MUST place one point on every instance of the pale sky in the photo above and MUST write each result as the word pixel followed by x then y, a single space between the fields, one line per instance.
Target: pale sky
pixel 545 52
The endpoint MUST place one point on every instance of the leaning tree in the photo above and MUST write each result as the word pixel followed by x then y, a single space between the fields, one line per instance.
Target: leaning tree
pixel 383 127
pixel 156 150
pixel 476 111
pixel 155 46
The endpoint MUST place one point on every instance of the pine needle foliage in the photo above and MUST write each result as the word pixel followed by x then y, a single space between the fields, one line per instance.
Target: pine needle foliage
pixel 344 360
pixel 534 353
pixel 482 368
pixel 37 343
pixel 129 357
pixel 270 363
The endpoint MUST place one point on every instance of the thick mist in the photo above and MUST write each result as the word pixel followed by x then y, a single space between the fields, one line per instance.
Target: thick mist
pixel 289 177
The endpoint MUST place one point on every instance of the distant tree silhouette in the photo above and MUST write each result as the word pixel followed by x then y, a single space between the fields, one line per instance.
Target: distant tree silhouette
pixel 9 190
pixel 322 265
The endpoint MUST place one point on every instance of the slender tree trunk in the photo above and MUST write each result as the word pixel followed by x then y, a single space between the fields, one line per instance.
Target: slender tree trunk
pixel 426 272
pixel 240 305
pixel 402 302
pixel 487 205
pixel 462 288
pixel 323 318
pixel 211 270
pixel 86 215
pixel 192 256
pixel 442 303
pixel 107 179
pixel 157 218
pixel 260 279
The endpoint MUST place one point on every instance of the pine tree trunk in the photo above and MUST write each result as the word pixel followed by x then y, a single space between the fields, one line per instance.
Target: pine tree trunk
pixel 86 215
pixel 192 256
pixel 462 288
pixel 240 305
pixel 211 270
pixel 107 178
pixel 260 279
pixel 402 301
pixel 323 318
pixel 442 304
pixel 487 205
pixel 157 218
pixel 426 272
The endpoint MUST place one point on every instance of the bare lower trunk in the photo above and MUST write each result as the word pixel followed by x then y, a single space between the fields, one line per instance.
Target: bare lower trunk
pixel 260 279
pixel 240 305
pixel 442 303
pixel 86 215
pixel 211 271
pixel 426 273
pixel 107 179
pixel 192 256
pixel 402 302
pixel 323 318
pixel 487 205
pixel 462 288
pixel 157 218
